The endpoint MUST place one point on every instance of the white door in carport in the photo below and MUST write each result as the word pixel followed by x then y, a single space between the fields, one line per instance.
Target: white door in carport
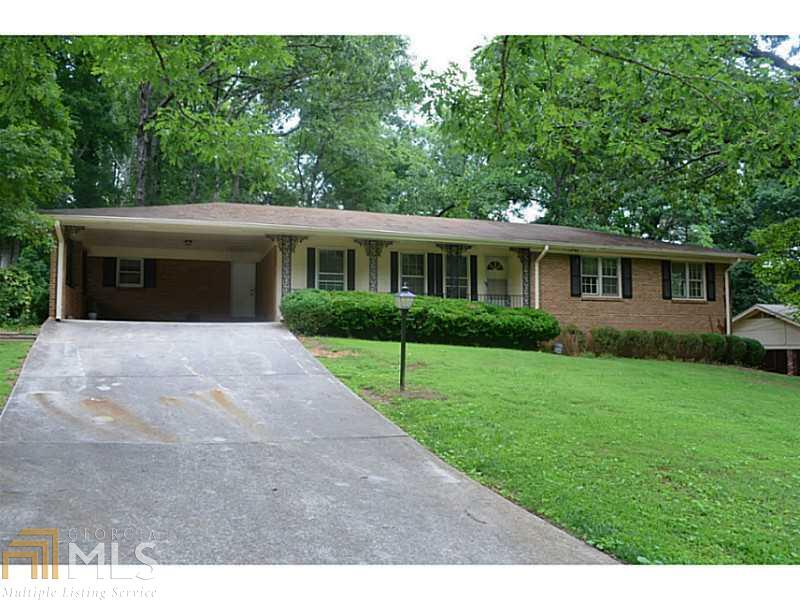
pixel 243 290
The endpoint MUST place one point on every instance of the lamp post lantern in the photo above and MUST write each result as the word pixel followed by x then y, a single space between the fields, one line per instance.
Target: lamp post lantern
pixel 403 301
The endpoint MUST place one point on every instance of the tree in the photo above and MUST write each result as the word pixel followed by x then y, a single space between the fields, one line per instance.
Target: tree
pixel 652 136
pixel 35 136
pixel 778 263
pixel 198 97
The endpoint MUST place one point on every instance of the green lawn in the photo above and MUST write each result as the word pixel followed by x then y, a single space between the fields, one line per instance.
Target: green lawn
pixel 11 356
pixel 651 461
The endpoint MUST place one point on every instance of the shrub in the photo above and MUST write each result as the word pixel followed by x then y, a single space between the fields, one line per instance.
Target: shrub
pixel 713 347
pixel 605 340
pixel 573 339
pixel 433 320
pixel 689 346
pixel 637 344
pixel 754 356
pixel 736 350
pixel 664 344
pixel 708 347
pixel 16 296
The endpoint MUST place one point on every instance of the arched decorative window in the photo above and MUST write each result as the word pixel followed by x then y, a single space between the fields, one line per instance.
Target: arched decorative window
pixel 495 265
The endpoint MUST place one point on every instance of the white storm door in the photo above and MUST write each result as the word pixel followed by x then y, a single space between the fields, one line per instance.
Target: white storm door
pixel 243 290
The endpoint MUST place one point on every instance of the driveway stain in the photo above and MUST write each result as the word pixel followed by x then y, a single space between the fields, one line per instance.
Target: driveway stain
pixel 108 409
pixel 221 399
pixel 170 401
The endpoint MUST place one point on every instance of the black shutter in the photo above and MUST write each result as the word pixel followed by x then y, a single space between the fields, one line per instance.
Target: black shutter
pixel 711 282
pixel 666 280
pixel 71 263
pixel 394 271
pixel 149 272
pixel 574 275
pixel 473 277
pixel 435 275
pixel 109 271
pixel 627 278
pixel 311 268
pixel 351 269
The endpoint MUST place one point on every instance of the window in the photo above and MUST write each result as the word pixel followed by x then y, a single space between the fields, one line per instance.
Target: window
pixel 600 276
pixel 456 282
pixel 688 281
pixel 130 272
pixel 412 272
pixel 331 270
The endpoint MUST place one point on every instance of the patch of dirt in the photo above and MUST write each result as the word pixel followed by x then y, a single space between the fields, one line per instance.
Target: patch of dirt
pixel 414 393
pixel 317 349
pixel 416 365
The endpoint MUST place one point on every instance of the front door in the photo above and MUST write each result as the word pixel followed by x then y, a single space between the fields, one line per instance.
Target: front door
pixel 243 290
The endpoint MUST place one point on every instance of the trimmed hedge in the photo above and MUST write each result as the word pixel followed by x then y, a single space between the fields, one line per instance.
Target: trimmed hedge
pixel 705 347
pixel 431 320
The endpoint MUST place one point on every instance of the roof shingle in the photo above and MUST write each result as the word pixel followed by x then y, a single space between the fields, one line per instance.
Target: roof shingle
pixel 324 220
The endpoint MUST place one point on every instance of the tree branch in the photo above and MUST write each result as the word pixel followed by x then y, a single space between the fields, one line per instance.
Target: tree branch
pixel 502 90
pixel 686 80
pixel 780 62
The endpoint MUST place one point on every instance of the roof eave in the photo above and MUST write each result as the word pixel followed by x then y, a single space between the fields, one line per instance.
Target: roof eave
pixel 555 246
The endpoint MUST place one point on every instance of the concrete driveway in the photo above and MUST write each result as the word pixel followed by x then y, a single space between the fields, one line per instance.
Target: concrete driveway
pixel 230 443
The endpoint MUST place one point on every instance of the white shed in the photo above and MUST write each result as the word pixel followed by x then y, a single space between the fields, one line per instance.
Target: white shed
pixel 776 327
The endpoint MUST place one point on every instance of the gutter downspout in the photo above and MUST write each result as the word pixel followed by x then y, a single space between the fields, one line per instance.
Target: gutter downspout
pixel 536 295
pixel 728 296
pixel 59 271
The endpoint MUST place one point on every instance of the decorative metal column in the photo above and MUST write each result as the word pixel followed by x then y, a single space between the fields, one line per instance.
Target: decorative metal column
pixel 286 244
pixel 374 249
pixel 524 255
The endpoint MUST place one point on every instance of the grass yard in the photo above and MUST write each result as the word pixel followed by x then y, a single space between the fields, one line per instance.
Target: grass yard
pixel 11 356
pixel 654 462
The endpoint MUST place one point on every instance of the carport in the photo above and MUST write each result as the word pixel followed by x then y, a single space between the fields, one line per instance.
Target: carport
pixel 182 274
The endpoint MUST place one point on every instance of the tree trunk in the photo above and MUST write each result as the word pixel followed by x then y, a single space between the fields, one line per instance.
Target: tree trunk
pixel 142 142
pixel 154 164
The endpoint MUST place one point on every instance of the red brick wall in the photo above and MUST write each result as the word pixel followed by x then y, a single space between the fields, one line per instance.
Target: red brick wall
pixel 646 310
pixel 193 290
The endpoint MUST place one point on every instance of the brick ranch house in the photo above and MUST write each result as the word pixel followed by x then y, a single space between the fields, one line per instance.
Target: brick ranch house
pixel 222 261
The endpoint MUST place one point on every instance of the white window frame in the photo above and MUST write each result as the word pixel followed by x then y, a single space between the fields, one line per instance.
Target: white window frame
pixel 704 295
pixel 599 276
pixel 141 272
pixel 424 270
pixel 344 266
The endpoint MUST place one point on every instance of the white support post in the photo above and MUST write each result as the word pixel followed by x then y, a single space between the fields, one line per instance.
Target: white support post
pixel 536 293
pixel 59 272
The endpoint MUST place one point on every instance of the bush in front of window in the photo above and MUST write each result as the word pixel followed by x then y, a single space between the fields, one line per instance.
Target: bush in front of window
pixel 707 347
pixel 431 320
pixel 605 340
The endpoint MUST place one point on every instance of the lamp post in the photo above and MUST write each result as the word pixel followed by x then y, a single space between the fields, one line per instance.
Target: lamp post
pixel 403 301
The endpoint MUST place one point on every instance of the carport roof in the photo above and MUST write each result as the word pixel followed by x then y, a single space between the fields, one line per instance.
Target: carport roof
pixel 307 221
